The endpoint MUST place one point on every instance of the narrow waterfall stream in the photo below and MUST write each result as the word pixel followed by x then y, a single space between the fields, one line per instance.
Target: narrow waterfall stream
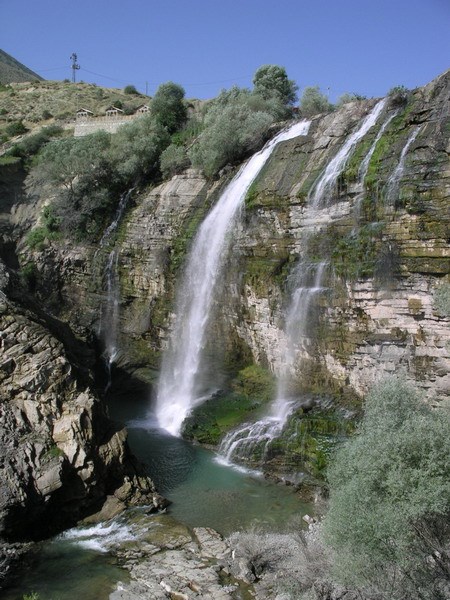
pixel 252 440
pixel 109 313
pixel 327 180
pixel 179 390
pixel 364 166
pixel 393 184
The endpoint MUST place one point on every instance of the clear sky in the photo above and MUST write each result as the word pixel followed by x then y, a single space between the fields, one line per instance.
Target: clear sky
pixel 363 46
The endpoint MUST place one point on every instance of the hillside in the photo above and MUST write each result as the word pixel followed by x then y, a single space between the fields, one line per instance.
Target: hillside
pixel 12 71
pixel 45 99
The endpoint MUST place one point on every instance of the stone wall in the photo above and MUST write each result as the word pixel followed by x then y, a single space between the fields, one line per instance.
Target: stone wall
pixel 108 124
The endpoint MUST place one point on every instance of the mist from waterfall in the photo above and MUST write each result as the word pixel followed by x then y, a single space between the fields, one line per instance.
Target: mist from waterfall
pixel 179 391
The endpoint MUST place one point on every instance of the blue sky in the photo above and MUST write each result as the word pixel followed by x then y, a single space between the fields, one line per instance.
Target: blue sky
pixel 341 45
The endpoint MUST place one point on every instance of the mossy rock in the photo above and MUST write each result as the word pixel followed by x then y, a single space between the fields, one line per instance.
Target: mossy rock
pixel 249 392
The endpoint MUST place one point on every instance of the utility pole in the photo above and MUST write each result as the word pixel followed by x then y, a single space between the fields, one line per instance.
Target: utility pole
pixel 75 66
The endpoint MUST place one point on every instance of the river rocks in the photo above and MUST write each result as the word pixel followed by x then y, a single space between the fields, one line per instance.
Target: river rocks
pixel 169 561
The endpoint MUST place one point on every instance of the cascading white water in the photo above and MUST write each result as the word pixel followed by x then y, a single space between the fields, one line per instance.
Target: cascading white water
pixel 393 183
pixel 364 166
pixel 334 168
pixel 178 391
pixel 253 439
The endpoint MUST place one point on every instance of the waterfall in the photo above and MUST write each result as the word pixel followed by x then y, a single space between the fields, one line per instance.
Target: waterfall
pixel 364 166
pixel 253 439
pixel 178 391
pixel 393 183
pixel 109 314
pixel 327 180
pixel 117 218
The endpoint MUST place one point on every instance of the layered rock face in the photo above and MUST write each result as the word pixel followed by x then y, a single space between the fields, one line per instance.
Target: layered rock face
pixel 60 456
pixel 384 238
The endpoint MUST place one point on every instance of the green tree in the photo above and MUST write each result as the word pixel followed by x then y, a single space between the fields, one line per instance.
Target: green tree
pixel 236 123
pixel 272 80
pixel 130 89
pixel 136 148
pixel 168 107
pixel 70 162
pixel 314 102
pixel 388 520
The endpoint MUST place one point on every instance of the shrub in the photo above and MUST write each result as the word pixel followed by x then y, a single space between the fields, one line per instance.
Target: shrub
pixel 390 497
pixel 347 97
pixel 236 123
pixel 130 89
pixel 313 102
pixel 15 128
pixel 398 95
pixel 173 160
pixel 31 145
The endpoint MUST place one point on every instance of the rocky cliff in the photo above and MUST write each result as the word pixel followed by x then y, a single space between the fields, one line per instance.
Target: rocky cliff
pixel 388 256
pixel 384 238
pixel 60 457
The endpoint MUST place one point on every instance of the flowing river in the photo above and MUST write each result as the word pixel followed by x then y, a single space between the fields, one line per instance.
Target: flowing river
pixel 81 563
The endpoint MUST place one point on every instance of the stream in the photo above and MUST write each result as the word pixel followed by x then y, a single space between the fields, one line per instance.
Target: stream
pixel 81 563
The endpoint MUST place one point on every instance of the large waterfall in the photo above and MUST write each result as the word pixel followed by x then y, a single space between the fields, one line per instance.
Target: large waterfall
pixel 253 439
pixel 178 391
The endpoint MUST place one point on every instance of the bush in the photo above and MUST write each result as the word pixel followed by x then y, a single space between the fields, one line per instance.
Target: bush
pixel 130 89
pixel 388 520
pixel 347 97
pixel 313 102
pixel 15 128
pixel 398 95
pixel 173 160
pixel 236 123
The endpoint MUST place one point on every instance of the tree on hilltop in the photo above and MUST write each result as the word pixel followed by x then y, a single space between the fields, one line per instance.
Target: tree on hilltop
pixel 168 107
pixel 272 80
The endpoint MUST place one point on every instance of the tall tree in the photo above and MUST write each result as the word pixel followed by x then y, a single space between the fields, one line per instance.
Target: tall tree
pixel 272 80
pixel 168 107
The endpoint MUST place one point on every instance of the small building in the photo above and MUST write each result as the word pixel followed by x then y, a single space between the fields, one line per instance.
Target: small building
pixel 142 110
pixel 113 112
pixel 84 113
